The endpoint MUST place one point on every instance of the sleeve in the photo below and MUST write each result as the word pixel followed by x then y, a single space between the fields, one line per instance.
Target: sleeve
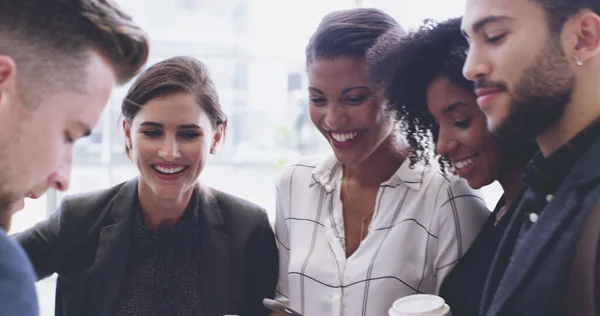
pixel 46 243
pixel 282 235
pixel 461 215
pixel 263 266
pixel 17 289
pixel 597 280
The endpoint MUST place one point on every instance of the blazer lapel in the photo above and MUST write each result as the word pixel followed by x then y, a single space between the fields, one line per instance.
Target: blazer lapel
pixel 113 252
pixel 545 229
pixel 214 256
pixel 501 261
pixel 549 226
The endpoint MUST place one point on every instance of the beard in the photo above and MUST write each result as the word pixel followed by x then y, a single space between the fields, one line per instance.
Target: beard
pixel 540 97
pixel 516 153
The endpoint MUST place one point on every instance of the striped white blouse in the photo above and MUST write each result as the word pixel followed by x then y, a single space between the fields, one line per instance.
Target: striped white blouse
pixel 423 223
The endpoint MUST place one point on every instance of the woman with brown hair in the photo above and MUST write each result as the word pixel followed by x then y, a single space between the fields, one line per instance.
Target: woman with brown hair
pixel 163 243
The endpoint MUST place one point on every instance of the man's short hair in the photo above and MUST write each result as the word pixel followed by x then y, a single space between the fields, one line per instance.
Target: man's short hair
pixel 559 11
pixel 51 40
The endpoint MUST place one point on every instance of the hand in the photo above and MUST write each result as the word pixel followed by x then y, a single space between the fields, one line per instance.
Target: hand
pixel 275 314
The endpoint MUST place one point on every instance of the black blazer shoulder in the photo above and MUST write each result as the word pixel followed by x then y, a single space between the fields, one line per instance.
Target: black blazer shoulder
pixel 238 212
pixel 87 241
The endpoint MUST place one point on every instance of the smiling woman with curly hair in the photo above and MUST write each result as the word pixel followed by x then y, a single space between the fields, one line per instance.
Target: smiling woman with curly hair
pixel 420 75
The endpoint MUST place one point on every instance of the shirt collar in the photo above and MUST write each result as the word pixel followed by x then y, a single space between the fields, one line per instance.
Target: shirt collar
pixel 328 174
pixel 544 175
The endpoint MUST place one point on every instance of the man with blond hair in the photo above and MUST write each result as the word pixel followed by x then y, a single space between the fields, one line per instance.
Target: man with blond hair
pixel 59 61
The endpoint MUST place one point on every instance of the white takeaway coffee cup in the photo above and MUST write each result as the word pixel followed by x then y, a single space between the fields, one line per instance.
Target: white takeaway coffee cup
pixel 420 305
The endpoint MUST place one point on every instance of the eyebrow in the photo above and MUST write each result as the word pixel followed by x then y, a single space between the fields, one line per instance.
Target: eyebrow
pixel 454 106
pixel 185 126
pixel 315 90
pixel 343 91
pixel 481 23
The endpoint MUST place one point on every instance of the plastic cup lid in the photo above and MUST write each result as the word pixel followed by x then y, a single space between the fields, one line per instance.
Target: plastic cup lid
pixel 420 304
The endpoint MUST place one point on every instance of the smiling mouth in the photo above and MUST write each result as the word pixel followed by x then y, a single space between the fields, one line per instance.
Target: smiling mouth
pixel 169 170
pixel 344 137
pixel 345 140
pixel 461 164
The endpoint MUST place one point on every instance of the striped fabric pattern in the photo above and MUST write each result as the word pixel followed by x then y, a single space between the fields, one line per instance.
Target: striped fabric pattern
pixel 423 223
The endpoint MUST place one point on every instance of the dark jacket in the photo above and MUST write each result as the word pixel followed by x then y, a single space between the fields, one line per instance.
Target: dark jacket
pixel 536 279
pixel 87 242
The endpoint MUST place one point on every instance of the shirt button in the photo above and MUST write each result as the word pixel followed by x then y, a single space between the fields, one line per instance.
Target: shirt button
pixel 533 217
pixel 328 188
pixel 549 198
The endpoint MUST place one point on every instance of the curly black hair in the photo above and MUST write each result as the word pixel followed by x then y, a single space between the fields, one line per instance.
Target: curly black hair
pixel 404 66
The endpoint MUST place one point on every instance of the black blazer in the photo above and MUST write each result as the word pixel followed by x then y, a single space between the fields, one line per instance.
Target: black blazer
pixel 87 240
pixel 537 274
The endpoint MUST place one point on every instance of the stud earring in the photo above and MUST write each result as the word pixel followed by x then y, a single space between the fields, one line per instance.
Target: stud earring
pixel 578 61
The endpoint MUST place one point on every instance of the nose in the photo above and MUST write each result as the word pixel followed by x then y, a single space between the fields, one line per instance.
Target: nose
pixel 336 116
pixel 60 179
pixel 169 149
pixel 475 67
pixel 446 143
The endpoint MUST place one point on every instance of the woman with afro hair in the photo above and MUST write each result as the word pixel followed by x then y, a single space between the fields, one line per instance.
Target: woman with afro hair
pixel 420 75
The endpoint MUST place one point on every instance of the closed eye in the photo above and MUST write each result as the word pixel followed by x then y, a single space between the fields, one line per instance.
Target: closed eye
pixel 355 100
pixel 463 123
pixel 496 39
pixel 318 101
pixel 189 135
pixel 152 133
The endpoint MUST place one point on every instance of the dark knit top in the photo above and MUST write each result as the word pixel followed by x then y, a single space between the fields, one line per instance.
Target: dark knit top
pixel 163 274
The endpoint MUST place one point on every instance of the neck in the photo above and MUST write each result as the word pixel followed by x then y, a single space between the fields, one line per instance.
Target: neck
pixel 512 184
pixel 381 164
pixel 583 109
pixel 160 212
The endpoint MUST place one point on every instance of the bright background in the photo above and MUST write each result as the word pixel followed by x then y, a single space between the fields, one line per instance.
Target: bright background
pixel 255 52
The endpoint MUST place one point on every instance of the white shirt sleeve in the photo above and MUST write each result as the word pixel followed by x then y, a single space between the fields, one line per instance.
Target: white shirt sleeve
pixel 282 237
pixel 462 213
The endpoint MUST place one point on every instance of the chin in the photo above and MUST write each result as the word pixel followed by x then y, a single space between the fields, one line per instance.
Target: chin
pixel 495 120
pixel 475 183
pixel 346 158
pixel 493 123
pixel 166 192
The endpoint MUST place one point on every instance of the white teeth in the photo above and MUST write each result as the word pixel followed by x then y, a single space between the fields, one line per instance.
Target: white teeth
pixel 168 170
pixel 344 137
pixel 464 163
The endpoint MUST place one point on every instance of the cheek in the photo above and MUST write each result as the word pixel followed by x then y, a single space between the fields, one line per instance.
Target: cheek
pixel 49 153
pixel 509 66
pixel 477 135
pixel 142 148
pixel 474 139
pixel 197 150
pixel 373 114
pixel 493 151
pixel 315 114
